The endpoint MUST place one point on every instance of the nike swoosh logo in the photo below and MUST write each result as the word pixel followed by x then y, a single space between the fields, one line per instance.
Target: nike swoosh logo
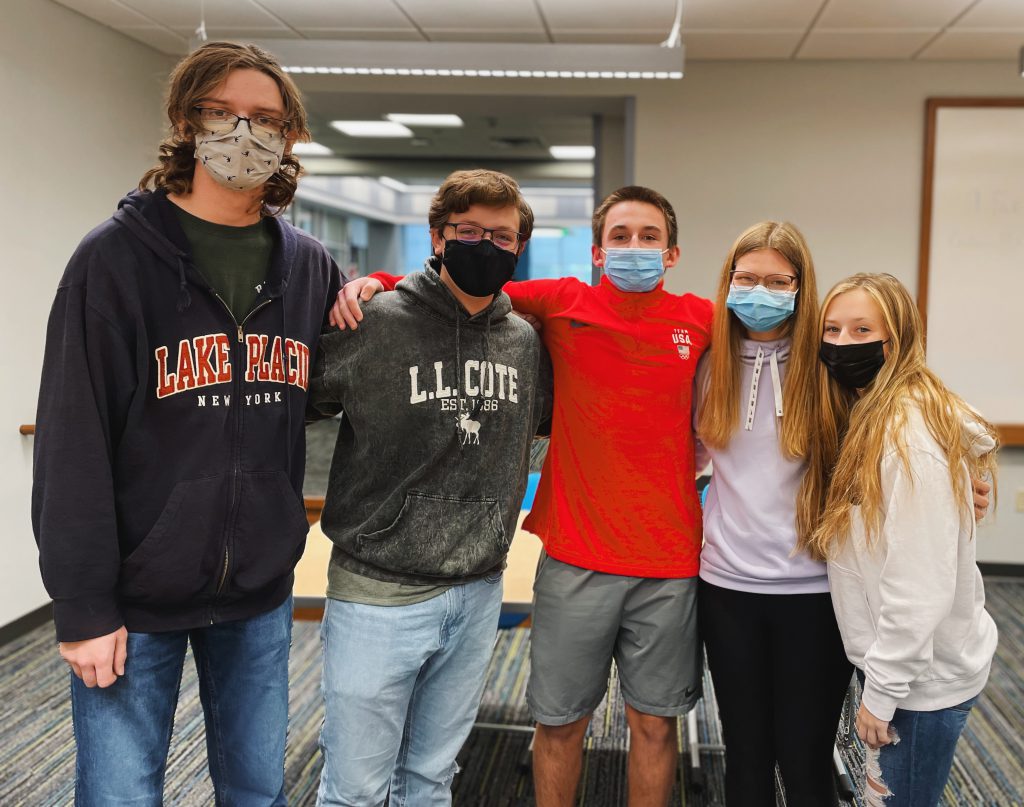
pixel 689 692
pixel 575 323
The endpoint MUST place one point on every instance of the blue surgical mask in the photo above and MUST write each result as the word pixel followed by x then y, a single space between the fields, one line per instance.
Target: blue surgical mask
pixel 759 309
pixel 634 269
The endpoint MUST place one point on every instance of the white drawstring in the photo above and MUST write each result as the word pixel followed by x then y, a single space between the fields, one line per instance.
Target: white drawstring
pixel 755 380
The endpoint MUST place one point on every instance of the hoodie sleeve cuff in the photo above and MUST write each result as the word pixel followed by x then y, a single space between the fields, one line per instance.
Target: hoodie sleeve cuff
pixel 877 702
pixel 86 617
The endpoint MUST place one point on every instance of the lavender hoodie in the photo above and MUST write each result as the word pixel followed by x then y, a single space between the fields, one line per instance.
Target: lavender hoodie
pixel 750 513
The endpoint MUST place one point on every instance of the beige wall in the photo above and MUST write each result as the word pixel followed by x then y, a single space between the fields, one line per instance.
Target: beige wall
pixel 836 148
pixel 82 106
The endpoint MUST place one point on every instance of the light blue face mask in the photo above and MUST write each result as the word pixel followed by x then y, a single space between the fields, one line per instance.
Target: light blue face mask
pixel 634 269
pixel 759 309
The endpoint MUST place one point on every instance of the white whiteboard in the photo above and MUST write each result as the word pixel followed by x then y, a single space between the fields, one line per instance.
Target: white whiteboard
pixel 973 269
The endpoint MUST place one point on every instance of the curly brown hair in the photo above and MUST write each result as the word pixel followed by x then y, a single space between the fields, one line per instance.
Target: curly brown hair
pixel 195 77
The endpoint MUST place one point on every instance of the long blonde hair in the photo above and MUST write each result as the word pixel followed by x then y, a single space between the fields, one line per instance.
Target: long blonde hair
pixel 719 413
pixel 852 435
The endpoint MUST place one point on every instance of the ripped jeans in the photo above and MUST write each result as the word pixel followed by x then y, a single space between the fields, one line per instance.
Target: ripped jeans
pixel 913 770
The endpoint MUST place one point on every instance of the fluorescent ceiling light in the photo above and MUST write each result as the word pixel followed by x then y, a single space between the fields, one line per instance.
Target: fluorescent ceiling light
pixel 572 152
pixel 311 149
pixel 475 60
pixel 394 184
pixel 437 121
pixel 371 128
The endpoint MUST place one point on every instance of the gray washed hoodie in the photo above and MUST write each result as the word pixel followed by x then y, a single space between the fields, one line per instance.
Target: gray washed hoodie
pixel 433 452
pixel 750 513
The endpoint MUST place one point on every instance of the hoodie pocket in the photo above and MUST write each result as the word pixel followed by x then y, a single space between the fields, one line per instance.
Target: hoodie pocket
pixel 438 536
pixel 849 600
pixel 270 531
pixel 178 558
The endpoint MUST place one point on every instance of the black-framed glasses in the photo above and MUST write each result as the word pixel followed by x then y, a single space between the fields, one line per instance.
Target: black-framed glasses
pixel 774 283
pixel 473 234
pixel 221 121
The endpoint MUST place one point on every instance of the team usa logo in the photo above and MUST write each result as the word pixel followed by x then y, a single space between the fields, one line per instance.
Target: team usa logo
pixel 681 339
pixel 205 361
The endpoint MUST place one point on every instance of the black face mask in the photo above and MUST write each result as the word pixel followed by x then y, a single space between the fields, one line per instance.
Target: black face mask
pixel 853 366
pixel 481 269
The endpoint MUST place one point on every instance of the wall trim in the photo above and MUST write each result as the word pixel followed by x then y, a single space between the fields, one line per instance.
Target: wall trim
pixel 1002 569
pixel 22 625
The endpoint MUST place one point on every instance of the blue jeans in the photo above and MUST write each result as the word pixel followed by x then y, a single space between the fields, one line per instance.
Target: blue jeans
pixel 123 732
pixel 914 770
pixel 401 687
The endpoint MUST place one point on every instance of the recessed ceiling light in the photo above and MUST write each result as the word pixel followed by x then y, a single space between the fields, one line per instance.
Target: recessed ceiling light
pixel 311 149
pixel 394 184
pixel 437 121
pixel 572 152
pixel 371 128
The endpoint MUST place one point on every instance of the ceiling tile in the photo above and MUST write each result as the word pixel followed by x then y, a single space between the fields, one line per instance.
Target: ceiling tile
pixel 160 38
pixel 489 35
pixel 863 44
pixel 108 12
pixel 480 15
pixel 632 37
pixel 994 14
pixel 740 44
pixel 749 14
pixel 607 15
pixel 409 34
pixel 956 44
pixel 238 32
pixel 221 14
pixel 337 14
pixel 862 14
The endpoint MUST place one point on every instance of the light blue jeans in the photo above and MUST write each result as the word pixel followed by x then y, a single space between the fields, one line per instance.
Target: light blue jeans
pixel 401 688
pixel 123 732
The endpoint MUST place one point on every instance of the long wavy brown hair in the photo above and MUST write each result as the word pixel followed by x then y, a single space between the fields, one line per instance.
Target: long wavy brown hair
pixel 197 76
pixel 852 434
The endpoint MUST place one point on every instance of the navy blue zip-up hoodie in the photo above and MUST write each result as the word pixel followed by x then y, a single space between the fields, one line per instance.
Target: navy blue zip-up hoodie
pixel 170 442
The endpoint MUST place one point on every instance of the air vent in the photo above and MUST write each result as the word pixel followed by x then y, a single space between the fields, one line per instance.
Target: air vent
pixel 516 142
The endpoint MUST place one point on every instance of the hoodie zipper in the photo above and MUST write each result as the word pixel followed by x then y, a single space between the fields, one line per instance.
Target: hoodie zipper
pixel 235 444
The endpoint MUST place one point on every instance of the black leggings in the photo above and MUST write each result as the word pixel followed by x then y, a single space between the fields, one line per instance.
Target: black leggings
pixel 780 676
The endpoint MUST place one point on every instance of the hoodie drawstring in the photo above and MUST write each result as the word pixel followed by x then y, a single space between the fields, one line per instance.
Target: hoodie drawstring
pixel 184 298
pixel 755 381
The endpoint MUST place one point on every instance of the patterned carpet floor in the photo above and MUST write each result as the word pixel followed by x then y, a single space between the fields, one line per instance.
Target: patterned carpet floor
pixel 37 749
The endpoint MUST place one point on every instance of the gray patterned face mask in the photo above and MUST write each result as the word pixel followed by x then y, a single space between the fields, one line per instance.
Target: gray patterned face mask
pixel 238 159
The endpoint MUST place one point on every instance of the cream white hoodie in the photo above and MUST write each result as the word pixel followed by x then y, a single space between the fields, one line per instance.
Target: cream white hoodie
pixel 911 607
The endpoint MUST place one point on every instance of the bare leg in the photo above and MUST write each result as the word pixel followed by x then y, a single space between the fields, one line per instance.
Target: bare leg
pixel 557 759
pixel 653 753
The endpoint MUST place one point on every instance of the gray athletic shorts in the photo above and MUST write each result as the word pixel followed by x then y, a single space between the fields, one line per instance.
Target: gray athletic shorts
pixel 583 619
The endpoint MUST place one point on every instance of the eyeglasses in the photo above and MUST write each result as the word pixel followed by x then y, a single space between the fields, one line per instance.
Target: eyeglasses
pixel 220 121
pixel 472 234
pixel 774 283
